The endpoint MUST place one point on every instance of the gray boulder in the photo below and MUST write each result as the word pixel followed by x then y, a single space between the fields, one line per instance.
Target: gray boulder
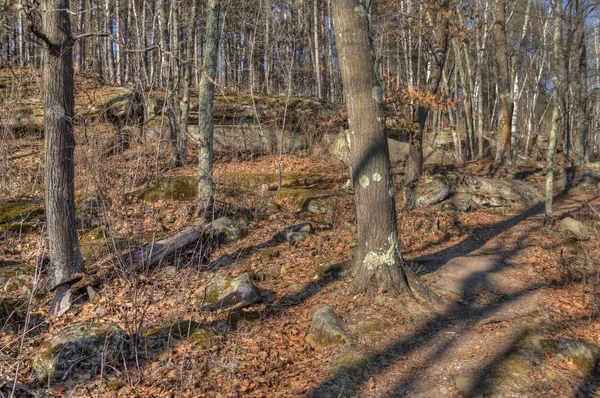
pixel 239 293
pixel 574 229
pixel 224 231
pixel 326 328
pixel 81 347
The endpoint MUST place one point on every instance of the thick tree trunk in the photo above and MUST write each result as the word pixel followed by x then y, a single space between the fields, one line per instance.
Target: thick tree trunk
pixel 379 265
pixel 59 172
pixel 503 150
pixel 206 185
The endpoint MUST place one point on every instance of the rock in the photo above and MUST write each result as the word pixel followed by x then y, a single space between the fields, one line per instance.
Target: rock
pixel 267 254
pixel 316 206
pixel 295 233
pixel 81 347
pixel 574 229
pixel 9 269
pixel 19 215
pixel 581 353
pixel 326 329
pixel 18 287
pixel 179 188
pixel 165 335
pixel 224 231
pixel 240 293
pixel 169 271
pixel 430 191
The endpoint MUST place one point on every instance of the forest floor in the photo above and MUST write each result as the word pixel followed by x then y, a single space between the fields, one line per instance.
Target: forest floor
pixel 516 291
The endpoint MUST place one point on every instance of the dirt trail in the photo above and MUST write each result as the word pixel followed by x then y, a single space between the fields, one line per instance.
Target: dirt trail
pixel 497 302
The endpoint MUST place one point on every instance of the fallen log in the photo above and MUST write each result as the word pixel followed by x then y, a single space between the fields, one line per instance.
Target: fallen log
pixel 152 254
pixel 306 182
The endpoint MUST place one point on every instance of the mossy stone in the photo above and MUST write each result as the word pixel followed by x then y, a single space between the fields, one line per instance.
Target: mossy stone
pixel 179 188
pixel 77 348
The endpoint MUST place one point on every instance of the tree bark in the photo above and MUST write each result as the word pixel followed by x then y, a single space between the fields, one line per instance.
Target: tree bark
pixel 379 265
pixel 59 172
pixel 581 137
pixel 555 112
pixel 206 185
pixel 503 150
pixel 414 161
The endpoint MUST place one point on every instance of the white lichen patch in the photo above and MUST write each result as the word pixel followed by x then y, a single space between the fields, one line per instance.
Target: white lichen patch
pixel 360 11
pixel 392 191
pixel 364 181
pixel 376 177
pixel 377 94
pixel 374 259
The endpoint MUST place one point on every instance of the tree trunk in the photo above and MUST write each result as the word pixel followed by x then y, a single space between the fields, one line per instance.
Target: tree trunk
pixel 503 150
pixel 414 161
pixel 582 120
pixel 59 173
pixel 206 185
pixel 555 112
pixel 379 265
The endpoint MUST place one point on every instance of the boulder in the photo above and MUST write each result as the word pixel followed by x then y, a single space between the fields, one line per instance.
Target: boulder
pixel 165 335
pixel 574 229
pixel 318 206
pixel 19 215
pixel 296 233
pixel 326 328
pixel 224 231
pixel 81 347
pixel 430 191
pixel 180 188
pixel 239 293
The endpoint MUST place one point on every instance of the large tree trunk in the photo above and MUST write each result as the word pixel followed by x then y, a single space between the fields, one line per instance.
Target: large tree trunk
pixel 59 173
pixel 379 265
pixel 439 23
pixel 206 185
pixel 503 150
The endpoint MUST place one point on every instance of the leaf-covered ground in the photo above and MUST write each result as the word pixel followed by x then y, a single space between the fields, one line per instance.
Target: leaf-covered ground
pixel 551 287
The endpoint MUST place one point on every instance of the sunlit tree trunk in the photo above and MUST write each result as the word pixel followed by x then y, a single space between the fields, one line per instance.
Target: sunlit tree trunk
pixel 379 265
pixel 59 170
pixel 555 110
pixel 503 150
pixel 206 185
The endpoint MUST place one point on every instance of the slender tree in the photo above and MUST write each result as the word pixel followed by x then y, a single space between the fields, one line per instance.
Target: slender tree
pixel 503 150
pixel 206 185
pixel 555 109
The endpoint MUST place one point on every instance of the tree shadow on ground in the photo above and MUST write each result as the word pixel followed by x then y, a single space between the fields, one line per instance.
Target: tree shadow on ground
pixel 459 318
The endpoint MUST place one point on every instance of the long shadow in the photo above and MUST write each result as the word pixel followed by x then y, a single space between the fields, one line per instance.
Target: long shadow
pixel 479 237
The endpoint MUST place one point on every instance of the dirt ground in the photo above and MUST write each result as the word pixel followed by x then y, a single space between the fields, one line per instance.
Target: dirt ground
pixel 503 275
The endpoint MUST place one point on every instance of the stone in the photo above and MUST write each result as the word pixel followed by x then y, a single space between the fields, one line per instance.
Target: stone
pixel 296 233
pixel 316 206
pixel 326 329
pixel 581 353
pixel 224 231
pixel 180 188
pixel 431 190
pixel 239 293
pixel 80 347
pixel 574 229
pixel 9 269
pixel 18 287
pixel 20 216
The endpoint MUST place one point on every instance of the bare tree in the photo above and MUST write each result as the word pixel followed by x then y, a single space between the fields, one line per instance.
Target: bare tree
pixel 59 172
pixel 206 185
pixel 379 264
pixel 503 150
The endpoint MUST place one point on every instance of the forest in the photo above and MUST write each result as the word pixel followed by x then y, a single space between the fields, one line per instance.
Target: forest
pixel 283 198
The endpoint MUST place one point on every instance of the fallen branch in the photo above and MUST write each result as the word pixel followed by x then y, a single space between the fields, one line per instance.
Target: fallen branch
pixel 306 182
